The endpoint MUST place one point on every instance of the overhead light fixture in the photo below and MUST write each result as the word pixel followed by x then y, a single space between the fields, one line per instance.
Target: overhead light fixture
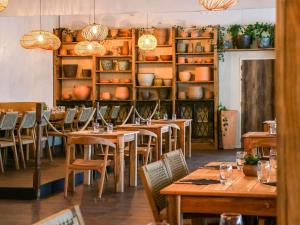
pixel 40 39
pixel 147 41
pixel 95 32
pixel 88 48
pixel 3 5
pixel 216 5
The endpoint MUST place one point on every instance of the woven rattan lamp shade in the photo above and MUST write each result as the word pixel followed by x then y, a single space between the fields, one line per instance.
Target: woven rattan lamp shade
pixel 147 42
pixel 217 4
pixel 85 48
pixel 40 39
pixel 95 32
pixel 3 5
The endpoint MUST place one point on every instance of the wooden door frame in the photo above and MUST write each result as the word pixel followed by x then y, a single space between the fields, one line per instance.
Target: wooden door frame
pixel 287 97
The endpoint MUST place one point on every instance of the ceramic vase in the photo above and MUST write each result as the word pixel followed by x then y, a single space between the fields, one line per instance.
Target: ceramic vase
pixel 250 170
pixel 184 76
pixel 145 79
pixel 122 93
pixel 70 70
pixel 195 92
pixel 202 73
pixel 125 48
pixel 107 64
pixel 229 128
pixel 123 65
pixel 162 35
pixel 81 92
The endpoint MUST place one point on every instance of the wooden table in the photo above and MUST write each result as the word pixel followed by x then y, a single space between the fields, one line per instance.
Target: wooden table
pixel 118 137
pixel 185 130
pixel 158 129
pixel 258 139
pixel 246 196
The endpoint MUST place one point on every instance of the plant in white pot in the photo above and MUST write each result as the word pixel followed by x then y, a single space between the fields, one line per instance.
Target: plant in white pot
pixel 228 122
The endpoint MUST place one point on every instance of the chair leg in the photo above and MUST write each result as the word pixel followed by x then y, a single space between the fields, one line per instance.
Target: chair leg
pixel 66 183
pixel 22 153
pixel 53 143
pixel 101 181
pixel 1 163
pixel 15 153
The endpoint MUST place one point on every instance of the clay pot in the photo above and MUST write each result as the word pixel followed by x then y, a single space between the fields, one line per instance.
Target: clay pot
pixel 158 82
pixel 82 92
pixel 184 34
pixel 105 96
pixel 250 170
pixel 79 36
pixel 190 47
pixel 125 48
pixel 69 38
pixel 195 92
pixel 208 94
pixel 123 65
pixel 182 95
pixel 107 64
pixel 184 76
pixel 105 81
pixel 70 70
pixel 63 51
pixel 229 128
pixel 202 73
pixel 195 34
pixel 71 52
pixel 122 93
pixel 165 57
pixel 145 79
pixel 125 80
pixel 115 80
pixel 167 82
pixel 181 59
pixel 190 60
pixel 151 58
pixel 66 96
pixel 181 47
pixel 86 73
pixel 114 33
pixel 162 35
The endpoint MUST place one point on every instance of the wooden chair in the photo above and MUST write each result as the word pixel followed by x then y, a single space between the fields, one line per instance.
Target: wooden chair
pixel 101 115
pixel 45 135
pixel 84 116
pixel 155 177
pixel 28 124
pixel 176 164
pixel 64 217
pixel 73 164
pixel 145 150
pixel 175 129
pixel 8 122
pixel 114 113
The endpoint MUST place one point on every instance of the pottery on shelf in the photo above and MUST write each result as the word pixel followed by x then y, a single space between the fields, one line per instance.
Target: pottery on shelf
pixel 198 48
pixel 115 80
pixel 162 35
pixel 190 48
pixel 184 76
pixel 163 93
pixel 105 81
pixel 105 95
pixel 124 32
pixel 244 41
pixel 190 60
pixel 69 38
pixel 181 47
pixel 250 170
pixel 158 82
pixel 122 93
pixel 107 64
pixel 82 92
pixel 123 65
pixel 195 92
pixel 145 95
pixel 66 96
pixel 63 51
pixel 181 59
pixel 86 73
pixel 145 79
pixel 195 34
pixel 208 94
pixel 182 95
pixel 114 32
pixel 125 81
pixel 202 73
pixel 79 36
pixel 151 58
pixel 167 82
pixel 125 48
pixel 184 34
pixel 165 57
pixel 70 70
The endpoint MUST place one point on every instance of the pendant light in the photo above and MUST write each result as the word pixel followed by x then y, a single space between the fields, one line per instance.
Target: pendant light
pixel 87 48
pixel 95 32
pixel 147 41
pixel 3 5
pixel 40 39
pixel 216 5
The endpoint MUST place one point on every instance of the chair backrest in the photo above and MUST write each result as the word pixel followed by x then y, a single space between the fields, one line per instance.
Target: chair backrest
pixel 47 114
pixel 176 164
pixel 115 112
pixel 155 177
pixel 28 120
pixel 70 115
pixel 67 216
pixel 174 126
pixel 8 120
pixel 88 140
pixel 102 111
pixel 85 114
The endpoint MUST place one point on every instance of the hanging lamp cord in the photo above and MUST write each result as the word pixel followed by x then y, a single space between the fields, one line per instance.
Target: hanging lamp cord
pixel 94 11
pixel 40 15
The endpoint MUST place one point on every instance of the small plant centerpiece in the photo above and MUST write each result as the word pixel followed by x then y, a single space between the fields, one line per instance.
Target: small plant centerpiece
pixel 157 115
pixel 250 166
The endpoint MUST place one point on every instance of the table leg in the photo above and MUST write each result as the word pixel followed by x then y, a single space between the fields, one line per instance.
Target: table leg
pixel 169 140
pixel 182 138
pixel 87 155
pixel 119 165
pixel 189 141
pixel 158 145
pixel 174 214
pixel 133 162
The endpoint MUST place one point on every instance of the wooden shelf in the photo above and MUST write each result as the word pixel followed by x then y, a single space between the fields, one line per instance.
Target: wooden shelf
pixel 196 38
pixel 194 100
pixel 153 87
pixel 114 100
pixel 118 38
pixel 114 84
pixel 75 78
pixel 114 56
pixel 75 100
pixel 194 82
pixel 195 53
pixel 159 46
pixel 113 71
pixel 191 64
pixel 75 56
pixel 154 62
pixel 248 49
pixel 154 100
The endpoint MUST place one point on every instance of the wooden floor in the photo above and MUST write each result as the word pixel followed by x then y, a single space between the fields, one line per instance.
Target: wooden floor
pixel 128 208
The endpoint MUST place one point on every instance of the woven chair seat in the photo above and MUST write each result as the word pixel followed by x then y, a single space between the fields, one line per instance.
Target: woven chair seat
pixel 6 142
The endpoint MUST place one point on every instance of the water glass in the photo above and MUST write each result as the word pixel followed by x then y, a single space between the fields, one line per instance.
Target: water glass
pixel 138 121
pixel 273 158
pixel 173 116
pixel 226 173
pixel 96 127
pixel 231 219
pixel 240 159
pixel 110 128
pixel 165 116
pixel 263 171
pixel 272 128
pixel 148 121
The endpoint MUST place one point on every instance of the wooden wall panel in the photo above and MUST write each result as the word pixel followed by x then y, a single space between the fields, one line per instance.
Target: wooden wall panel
pixel 287 83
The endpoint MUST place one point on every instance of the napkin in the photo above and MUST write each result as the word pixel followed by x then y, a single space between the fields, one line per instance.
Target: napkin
pixel 271 183
pixel 198 181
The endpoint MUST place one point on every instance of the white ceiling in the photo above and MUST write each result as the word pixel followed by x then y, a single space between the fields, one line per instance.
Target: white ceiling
pixel 84 7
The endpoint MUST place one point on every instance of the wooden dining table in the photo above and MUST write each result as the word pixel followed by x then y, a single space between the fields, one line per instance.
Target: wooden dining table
pixel 120 138
pixel 258 139
pixel 185 133
pixel 159 129
pixel 245 195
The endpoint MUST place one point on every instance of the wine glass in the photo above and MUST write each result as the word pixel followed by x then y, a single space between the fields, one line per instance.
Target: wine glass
pixel 231 219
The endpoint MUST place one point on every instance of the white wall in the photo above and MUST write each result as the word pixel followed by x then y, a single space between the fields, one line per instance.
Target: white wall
pixel 25 75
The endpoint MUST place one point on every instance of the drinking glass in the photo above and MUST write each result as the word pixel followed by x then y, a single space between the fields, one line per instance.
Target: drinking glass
pixel 137 121
pixel 272 128
pixel 173 116
pixel 231 219
pixel 110 128
pixel 165 116
pixel 226 173
pixel 273 158
pixel 240 155
pixel 148 122
pixel 96 127
pixel 263 171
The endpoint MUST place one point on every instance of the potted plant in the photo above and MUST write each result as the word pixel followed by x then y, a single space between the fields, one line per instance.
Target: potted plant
pixel 250 165
pixel 265 35
pixel 234 31
pixel 228 125
pixel 244 38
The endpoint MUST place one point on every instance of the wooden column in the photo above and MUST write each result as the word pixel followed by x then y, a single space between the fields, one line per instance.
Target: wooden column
pixel 37 168
pixel 287 83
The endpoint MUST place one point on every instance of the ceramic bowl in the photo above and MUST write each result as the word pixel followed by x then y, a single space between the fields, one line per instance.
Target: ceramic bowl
pixel 165 57
pixel 151 58
pixel 184 76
